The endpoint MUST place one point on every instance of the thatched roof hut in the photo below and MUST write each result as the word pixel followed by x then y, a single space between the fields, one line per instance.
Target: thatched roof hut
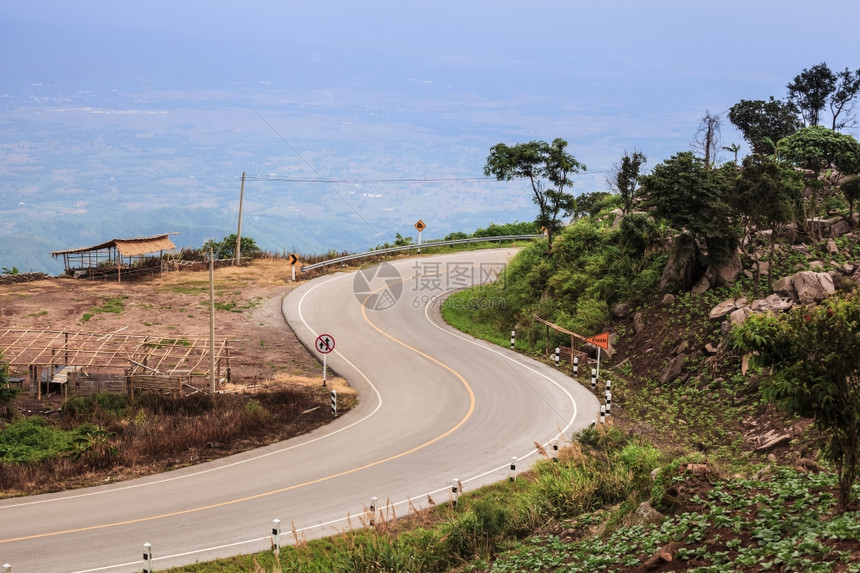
pixel 117 257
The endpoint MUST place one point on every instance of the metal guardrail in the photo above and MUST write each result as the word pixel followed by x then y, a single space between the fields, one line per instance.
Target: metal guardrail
pixel 428 245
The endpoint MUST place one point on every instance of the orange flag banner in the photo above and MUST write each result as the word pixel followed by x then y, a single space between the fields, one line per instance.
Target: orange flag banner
pixel 601 340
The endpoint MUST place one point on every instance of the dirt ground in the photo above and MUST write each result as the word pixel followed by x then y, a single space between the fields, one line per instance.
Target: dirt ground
pixel 248 309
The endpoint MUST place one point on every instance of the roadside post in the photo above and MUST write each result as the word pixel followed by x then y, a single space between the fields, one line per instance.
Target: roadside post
pixel 294 260
pixel 147 558
pixel 276 535
pixel 575 365
pixel 557 355
pixel 513 338
pixel 373 501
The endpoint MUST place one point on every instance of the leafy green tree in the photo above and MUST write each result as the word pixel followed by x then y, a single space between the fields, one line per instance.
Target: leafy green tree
pixel 6 393
pixel 226 247
pixel 817 149
pixel 810 91
pixel 590 203
pixel 693 200
pixel 764 198
pixel 401 241
pixel 538 161
pixel 851 189
pixel 624 178
pixel 733 148
pixel 812 353
pixel 763 123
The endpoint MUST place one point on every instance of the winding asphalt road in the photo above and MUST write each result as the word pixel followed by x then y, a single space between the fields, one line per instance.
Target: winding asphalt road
pixel 435 406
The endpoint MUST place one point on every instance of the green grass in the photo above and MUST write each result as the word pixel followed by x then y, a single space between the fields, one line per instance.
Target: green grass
pixel 31 440
pixel 114 305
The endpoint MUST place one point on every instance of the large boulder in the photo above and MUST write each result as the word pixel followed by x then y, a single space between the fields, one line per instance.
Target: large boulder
pixel 774 303
pixel 810 287
pixel 673 369
pixel 723 309
pixel 680 269
pixel 805 287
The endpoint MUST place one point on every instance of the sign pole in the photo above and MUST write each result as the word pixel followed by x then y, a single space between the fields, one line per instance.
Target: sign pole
pixel 419 226
pixel 324 344
pixel 598 362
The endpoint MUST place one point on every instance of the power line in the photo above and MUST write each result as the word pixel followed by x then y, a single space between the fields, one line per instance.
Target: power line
pixel 326 180
pixel 430 180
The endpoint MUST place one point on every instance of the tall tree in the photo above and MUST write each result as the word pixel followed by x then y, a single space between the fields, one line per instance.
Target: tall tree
pixel 851 189
pixel 812 353
pixel 707 139
pixel 763 123
pixel 693 200
pixel 810 91
pixel 764 198
pixel 842 99
pixel 817 149
pixel 538 161
pixel 624 178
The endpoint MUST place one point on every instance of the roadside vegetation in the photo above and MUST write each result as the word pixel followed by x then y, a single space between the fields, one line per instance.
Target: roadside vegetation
pixel 107 437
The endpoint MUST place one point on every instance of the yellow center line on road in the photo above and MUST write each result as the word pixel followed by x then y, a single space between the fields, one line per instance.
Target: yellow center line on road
pixel 295 486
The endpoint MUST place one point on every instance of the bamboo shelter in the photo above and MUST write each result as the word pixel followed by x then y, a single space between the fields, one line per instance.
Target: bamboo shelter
pixel 82 363
pixel 118 257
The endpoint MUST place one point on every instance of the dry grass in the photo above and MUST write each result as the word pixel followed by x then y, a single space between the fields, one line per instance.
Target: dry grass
pixel 159 433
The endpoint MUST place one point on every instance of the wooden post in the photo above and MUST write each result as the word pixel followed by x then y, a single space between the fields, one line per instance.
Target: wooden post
pixel 546 341
pixel 239 230
pixel 227 352
pixel 211 324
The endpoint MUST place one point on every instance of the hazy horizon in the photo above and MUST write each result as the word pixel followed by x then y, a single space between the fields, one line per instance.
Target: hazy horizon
pixel 123 120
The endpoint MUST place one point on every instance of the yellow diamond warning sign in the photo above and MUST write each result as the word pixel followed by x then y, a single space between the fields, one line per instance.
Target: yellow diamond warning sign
pixel 420 225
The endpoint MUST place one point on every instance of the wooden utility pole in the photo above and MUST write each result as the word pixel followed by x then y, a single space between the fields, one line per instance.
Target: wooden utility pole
pixel 239 230
pixel 211 324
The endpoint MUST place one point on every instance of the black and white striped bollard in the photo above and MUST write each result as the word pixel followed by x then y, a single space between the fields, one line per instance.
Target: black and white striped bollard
pixel 373 501
pixel 576 366
pixel 147 558
pixel 455 490
pixel 276 535
pixel 608 384
pixel 593 379
pixel 334 402
pixel 557 355
pixel 513 338
pixel 555 450
pixel 608 401
pixel 602 414
pixel 512 475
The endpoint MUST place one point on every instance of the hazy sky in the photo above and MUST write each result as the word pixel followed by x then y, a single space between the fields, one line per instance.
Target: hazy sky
pixel 405 89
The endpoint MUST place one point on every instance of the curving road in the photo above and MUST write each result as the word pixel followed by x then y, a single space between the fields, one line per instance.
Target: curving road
pixel 435 406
